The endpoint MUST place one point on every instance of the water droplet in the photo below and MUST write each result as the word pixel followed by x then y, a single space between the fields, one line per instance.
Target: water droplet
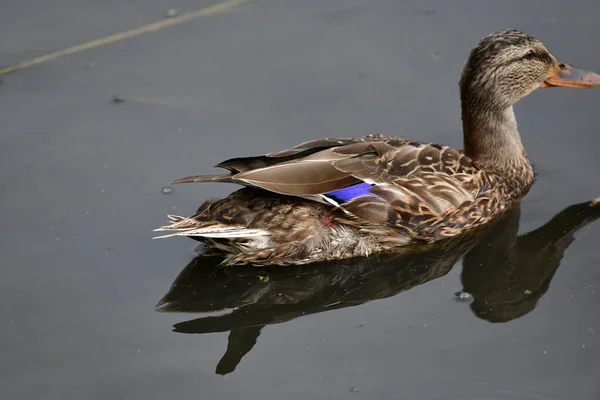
pixel 171 13
pixel 463 296
pixel 527 292
pixel 166 190
pixel 354 389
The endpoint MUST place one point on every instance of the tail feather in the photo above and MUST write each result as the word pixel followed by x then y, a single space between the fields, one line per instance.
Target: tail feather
pixel 179 223
pixel 190 227
pixel 204 178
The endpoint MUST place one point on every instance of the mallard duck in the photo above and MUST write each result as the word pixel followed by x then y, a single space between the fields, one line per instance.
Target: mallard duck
pixel 339 198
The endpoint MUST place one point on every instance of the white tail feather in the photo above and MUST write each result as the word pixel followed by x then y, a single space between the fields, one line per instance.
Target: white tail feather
pixel 175 218
pixel 213 232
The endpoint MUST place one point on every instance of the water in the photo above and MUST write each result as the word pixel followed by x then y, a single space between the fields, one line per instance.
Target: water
pixel 82 184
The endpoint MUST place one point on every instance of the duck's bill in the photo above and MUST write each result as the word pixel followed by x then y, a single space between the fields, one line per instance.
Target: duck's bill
pixel 569 76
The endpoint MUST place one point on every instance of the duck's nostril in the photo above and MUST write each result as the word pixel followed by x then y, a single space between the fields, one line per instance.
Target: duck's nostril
pixel 562 66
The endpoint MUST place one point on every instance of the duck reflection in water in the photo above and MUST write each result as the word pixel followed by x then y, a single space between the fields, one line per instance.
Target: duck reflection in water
pixel 505 273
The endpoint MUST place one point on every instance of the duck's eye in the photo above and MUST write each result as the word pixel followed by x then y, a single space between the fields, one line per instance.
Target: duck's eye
pixel 529 54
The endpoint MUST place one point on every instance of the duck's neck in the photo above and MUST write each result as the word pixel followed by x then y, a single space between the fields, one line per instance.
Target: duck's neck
pixel 492 141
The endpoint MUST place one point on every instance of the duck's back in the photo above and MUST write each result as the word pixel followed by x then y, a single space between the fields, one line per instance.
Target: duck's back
pixel 385 190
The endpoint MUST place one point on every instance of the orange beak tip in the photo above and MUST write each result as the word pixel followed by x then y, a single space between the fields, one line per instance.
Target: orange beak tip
pixel 569 76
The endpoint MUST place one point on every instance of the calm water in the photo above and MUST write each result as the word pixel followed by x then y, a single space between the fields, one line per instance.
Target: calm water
pixel 82 186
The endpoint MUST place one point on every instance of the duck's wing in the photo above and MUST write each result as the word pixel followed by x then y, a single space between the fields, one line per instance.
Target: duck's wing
pixel 245 164
pixel 375 178
pixel 420 188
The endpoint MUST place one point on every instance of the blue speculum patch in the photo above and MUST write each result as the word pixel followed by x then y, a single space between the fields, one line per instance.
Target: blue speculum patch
pixel 348 193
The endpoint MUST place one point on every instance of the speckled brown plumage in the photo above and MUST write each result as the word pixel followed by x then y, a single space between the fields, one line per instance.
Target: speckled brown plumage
pixel 422 193
pixel 410 192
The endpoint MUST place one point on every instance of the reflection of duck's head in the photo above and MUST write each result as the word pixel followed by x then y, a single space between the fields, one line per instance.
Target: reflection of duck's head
pixel 503 310
pixel 509 275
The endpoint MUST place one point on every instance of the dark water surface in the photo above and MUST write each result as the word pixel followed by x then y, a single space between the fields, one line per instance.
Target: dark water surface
pixel 81 183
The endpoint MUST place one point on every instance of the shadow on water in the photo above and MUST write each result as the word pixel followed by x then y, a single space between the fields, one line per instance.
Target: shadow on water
pixel 505 273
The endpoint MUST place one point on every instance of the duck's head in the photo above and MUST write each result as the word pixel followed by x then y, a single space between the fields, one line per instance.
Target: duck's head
pixel 503 68
pixel 508 65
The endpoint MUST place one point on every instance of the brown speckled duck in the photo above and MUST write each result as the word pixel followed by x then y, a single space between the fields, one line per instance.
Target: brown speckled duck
pixel 339 198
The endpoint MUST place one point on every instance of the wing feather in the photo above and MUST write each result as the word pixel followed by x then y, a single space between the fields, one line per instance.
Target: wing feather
pixel 412 182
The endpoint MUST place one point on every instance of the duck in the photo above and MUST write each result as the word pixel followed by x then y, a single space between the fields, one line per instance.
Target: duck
pixel 339 198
